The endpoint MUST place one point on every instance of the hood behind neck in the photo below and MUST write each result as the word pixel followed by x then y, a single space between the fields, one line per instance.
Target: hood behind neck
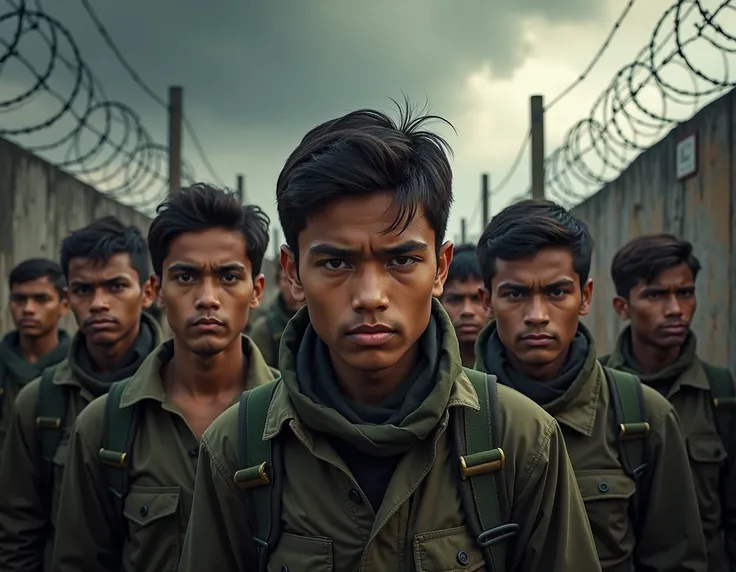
pixel 21 369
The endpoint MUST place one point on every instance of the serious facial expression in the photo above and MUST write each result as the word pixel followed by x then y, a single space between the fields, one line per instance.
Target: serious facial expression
pixel 661 311
pixel 537 302
pixel 106 298
pixel 369 292
pixel 36 307
pixel 461 300
pixel 207 289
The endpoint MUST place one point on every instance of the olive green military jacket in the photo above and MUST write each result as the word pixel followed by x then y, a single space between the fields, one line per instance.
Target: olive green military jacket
pixel 328 526
pixel 28 504
pixel 267 328
pixel 91 537
pixel 712 461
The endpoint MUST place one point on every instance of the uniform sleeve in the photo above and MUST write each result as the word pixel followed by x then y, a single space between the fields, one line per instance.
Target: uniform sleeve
pixel 86 538
pixel 671 538
pixel 555 535
pixel 219 535
pixel 728 496
pixel 24 515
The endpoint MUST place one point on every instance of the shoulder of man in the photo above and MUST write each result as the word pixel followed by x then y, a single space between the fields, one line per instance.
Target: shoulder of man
pixel 26 403
pixel 89 425
pixel 220 440
pixel 656 407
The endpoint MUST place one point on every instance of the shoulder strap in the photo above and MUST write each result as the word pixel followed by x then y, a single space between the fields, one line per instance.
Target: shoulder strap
pixel 723 392
pixel 603 360
pixel 118 435
pixel 51 410
pixel 627 398
pixel 261 470
pixel 482 484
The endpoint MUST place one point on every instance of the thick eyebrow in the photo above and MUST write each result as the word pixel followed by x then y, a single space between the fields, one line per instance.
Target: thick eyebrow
pixel 564 283
pixel 402 249
pixel 661 290
pixel 111 280
pixel 191 268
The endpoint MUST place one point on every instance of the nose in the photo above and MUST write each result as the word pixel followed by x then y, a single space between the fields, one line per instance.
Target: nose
pixel 100 301
pixel 672 306
pixel 29 307
pixel 370 293
pixel 537 314
pixel 468 308
pixel 208 296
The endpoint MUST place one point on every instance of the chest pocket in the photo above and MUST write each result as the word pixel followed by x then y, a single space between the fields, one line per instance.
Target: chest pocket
pixel 707 456
pixel 607 496
pixel 296 553
pixel 449 550
pixel 60 458
pixel 154 542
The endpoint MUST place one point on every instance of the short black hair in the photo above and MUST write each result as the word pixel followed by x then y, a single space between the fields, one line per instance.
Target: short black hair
pixel 464 265
pixel 104 238
pixel 646 257
pixel 523 229
pixel 361 153
pixel 202 207
pixel 35 268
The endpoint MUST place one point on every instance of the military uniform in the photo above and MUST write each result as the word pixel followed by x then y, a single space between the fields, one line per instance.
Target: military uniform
pixel 688 384
pixel 37 445
pixel 159 468
pixel 383 496
pixel 664 534
pixel 267 329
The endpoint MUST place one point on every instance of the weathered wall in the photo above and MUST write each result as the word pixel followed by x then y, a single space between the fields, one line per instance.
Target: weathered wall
pixel 39 205
pixel 647 198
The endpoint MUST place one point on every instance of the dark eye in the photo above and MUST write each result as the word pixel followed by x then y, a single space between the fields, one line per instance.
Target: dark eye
pixel 231 277
pixel 403 261
pixel 558 293
pixel 334 264
pixel 184 278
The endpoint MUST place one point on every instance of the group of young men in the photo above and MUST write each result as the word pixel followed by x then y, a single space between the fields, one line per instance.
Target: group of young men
pixel 421 407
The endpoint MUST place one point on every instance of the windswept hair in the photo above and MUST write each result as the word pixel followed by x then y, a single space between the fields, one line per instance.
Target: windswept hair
pixel 646 257
pixel 364 152
pixel 35 268
pixel 522 229
pixel 464 265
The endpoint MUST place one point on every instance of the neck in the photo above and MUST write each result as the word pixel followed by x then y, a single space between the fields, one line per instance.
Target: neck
pixel 467 354
pixel 196 374
pixel 106 358
pixel 33 349
pixel 372 387
pixel 540 372
pixel 650 358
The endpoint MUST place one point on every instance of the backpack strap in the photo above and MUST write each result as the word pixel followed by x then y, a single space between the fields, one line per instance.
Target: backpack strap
pixel 51 411
pixel 262 464
pixel 627 398
pixel 723 392
pixel 482 484
pixel 118 435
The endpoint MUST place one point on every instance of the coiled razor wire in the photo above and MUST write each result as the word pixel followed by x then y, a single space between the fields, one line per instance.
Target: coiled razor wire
pixel 99 141
pixel 645 98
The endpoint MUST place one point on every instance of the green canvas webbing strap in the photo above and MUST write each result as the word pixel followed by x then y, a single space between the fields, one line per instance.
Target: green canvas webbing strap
pixel 632 429
pixel 262 464
pixel 723 393
pixel 482 483
pixel 51 411
pixel 118 436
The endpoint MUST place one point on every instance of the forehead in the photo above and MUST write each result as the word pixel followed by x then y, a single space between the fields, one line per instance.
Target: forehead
pixel 465 287
pixel 212 246
pixel 93 270
pixel 547 265
pixel 361 222
pixel 39 285
pixel 672 277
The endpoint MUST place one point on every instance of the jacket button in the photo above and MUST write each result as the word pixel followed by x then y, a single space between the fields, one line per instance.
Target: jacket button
pixel 603 487
pixel 144 510
pixel 194 452
pixel 462 558
pixel 355 496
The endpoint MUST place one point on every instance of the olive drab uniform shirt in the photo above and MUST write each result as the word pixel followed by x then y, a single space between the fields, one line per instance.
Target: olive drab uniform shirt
pixel 16 372
pixel 155 511
pixel 327 521
pixel 712 457
pixel 670 537
pixel 28 503
pixel 267 329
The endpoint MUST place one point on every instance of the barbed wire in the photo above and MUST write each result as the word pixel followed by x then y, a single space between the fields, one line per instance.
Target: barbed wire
pixel 645 98
pixel 99 141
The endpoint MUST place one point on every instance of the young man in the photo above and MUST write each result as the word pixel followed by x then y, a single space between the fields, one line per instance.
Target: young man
pixel 356 458
pixel 461 300
pixel 266 331
pixel 37 303
pixel 624 440
pixel 655 281
pixel 207 251
pixel 107 269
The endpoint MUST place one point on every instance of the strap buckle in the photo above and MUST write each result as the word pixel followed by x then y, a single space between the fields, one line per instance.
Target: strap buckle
pixel 497 534
pixel 48 422
pixel 481 463
pixel 113 459
pixel 252 477
pixel 633 430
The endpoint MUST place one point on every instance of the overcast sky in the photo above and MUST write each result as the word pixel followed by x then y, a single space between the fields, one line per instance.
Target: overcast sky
pixel 257 75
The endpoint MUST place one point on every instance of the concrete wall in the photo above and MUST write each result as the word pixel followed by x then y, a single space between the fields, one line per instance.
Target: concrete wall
pixel 648 198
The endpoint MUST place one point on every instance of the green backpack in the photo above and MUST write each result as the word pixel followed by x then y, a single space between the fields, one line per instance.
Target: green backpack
pixel 51 412
pixel 481 464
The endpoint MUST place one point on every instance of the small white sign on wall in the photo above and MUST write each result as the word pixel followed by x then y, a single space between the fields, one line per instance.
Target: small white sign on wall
pixel 686 162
